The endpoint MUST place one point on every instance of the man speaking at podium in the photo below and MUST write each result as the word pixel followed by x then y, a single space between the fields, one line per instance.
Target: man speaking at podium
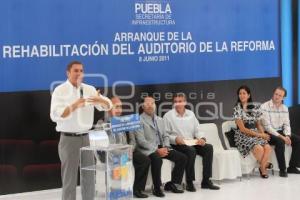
pixel 72 108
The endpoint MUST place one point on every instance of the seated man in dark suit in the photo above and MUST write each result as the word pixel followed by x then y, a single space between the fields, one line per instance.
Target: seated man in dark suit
pixel 153 142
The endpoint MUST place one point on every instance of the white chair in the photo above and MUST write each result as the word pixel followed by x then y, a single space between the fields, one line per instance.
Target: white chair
pixel 249 163
pixel 226 163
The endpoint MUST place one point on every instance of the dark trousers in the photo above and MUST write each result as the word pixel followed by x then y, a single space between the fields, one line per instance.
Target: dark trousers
pixel 205 151
pixel 177 173
pixel 280 149
pixel 141 165
pixel 295 158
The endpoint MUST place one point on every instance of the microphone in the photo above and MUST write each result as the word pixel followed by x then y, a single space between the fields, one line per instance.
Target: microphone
pixel 81 92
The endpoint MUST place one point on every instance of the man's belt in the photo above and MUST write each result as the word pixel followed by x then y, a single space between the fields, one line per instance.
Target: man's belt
pixel 74 134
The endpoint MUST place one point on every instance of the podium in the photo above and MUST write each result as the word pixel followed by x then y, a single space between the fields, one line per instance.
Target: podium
pixel 106 172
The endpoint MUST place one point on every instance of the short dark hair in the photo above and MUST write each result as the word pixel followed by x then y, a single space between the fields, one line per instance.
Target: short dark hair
pixel 141 109
pixel 115 97
pixel 179 94
pixel 143 100
pixel 74 62
pixel 282 89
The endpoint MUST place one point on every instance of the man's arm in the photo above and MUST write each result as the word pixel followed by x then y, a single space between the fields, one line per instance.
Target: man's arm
pixel 142 142
pixel 198 134
pixel 162 130
pixel 286 123
pixel 266 121
pixel 59 109
pixel 69 109
pixel 101 102
pixel 132 140
pixel 166 140
pixel 173 136
pixel 287 128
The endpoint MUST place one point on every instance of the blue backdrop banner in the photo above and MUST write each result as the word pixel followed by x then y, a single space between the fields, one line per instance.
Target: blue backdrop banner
pixel 137 41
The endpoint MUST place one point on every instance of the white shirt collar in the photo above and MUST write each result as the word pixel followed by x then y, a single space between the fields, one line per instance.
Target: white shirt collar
pixel 71 85
pixel 178 115
pixel 272 105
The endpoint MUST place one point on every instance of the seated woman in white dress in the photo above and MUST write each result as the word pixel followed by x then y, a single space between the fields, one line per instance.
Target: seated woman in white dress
pixel 250 136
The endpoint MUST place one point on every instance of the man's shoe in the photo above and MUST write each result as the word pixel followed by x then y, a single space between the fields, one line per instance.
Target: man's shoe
pixel 209 185
pixel 283 173
pixel 139 194
pixel 157 192
pixel 293 170
pixel 190 187
pixel 172 187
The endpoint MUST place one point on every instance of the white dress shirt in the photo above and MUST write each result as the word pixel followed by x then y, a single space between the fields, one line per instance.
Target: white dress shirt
pixel 79 121
pixel 275 118
pixel 186 126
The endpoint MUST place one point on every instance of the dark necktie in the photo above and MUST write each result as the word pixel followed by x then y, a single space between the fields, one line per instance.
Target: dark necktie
pixel 127 137
pixel 157 132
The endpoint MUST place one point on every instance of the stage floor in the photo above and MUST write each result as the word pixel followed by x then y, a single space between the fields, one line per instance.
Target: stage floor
pixel 275 188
